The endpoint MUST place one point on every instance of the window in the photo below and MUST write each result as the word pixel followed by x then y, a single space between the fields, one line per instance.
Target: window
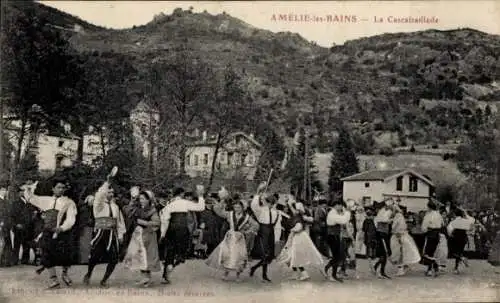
pixel 59 161
pixel 238 140
pixel 367 184
pixel 229 157
pixel 196 159
pixel 188 160
pixel 413 184
pixel 205 159
pixel 251 160
pixel 60 143
pixel 399 183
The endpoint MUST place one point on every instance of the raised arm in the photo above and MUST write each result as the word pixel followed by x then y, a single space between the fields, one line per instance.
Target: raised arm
pixel 100 197
pixel 255 206
pixel 42 202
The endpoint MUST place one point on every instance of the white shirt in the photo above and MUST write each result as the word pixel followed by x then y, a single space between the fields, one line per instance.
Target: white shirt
pixel 178 205
pixel 101 209
pixel 460 223
pixel 383 216
pixel 264 214
pixel 63 204
pixel 334 218
pixel 267 215
pixel 432 220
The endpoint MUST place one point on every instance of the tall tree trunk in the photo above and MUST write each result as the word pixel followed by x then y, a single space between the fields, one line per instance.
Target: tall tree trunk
pixel 2 164
pixel 214 161
pixel 103 146
pixel 17 160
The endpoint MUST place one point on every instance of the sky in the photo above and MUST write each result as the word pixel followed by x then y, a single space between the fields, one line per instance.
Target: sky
pixel 445 14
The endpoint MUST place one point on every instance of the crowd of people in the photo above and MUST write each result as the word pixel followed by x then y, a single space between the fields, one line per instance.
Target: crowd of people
pixel 149 234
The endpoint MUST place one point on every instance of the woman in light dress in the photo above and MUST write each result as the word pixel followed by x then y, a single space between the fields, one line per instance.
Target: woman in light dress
pixel 231 255
pixel 403 247
pixel 299 251
pixel 142 253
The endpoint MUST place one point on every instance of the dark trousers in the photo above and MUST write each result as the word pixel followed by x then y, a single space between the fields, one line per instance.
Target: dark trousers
pixel 338 252
pixel 6 258
pixel 430 246
pixel 22 238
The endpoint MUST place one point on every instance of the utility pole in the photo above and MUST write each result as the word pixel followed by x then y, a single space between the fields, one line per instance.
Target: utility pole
pixel 2 165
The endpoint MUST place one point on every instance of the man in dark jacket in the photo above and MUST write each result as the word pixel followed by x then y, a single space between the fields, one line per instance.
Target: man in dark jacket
pixel 5 227
pixel 23 215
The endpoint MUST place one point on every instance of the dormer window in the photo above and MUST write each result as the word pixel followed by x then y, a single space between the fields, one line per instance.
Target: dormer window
pixel 413 184
pixel 399 183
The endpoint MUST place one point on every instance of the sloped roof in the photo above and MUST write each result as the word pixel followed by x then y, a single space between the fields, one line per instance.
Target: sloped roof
pixel 212 141
pixel 385 175
pixel 373 175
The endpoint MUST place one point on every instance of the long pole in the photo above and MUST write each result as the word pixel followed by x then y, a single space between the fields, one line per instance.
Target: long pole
pixel 306 152
pixel 2 165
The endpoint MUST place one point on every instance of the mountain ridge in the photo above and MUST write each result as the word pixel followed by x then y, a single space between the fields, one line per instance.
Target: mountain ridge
pixel 375 84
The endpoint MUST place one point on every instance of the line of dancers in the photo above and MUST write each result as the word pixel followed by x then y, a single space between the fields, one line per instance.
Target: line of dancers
pixel 251 235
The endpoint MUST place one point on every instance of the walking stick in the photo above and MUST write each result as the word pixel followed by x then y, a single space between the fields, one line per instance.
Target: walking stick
pixel 269 179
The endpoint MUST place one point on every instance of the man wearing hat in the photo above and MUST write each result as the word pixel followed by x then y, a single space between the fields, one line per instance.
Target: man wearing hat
pixel 268 217
pixel 59 216
pixel 336 221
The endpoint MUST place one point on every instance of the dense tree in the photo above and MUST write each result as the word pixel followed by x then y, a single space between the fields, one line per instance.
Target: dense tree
pixel 180 87
pixel 232 110
pixel 303 183
pixel 343 163
pixel 39 70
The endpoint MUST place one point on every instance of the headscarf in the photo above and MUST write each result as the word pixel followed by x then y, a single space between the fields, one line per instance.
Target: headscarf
pixel 146 212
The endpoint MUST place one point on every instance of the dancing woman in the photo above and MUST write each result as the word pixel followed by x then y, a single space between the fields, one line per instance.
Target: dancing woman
pixel 142 253
pixel 299 251
pixel 403 247
pixel 232 253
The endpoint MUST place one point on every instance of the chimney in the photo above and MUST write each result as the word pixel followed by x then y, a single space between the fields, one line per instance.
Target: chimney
pixel 204 135
pixel 67 128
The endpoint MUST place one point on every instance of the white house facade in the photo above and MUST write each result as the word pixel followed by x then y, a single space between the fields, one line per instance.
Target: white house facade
pixel 404 186
pixel 238 156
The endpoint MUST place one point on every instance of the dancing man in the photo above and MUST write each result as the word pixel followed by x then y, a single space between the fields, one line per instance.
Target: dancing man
pixel 108 233
pixel 268 218
pixel 336 221
pixel 431 226
pixel 457 230
pixel 59 216
pixel 383 222
pixel 174 228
